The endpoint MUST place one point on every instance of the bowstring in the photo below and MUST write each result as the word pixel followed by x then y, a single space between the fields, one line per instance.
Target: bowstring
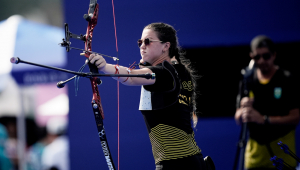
pixel 118 83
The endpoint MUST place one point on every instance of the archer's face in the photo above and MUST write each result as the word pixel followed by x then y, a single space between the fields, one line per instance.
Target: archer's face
pixel 263 58
pixel 151 52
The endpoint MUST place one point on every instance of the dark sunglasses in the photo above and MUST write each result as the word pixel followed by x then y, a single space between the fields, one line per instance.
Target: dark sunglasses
pixel 265 56
pixel 147 41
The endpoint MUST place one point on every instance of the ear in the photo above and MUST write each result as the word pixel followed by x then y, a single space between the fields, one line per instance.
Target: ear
pixel 167 46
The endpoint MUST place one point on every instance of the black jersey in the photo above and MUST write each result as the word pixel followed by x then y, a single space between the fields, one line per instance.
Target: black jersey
pixel 276 98
pixel 166 107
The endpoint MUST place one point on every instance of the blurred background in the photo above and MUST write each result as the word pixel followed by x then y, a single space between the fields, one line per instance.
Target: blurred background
pixel 215 34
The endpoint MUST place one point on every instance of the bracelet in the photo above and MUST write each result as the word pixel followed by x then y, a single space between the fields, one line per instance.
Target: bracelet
pixel 129 70
pixel 266 120
pixel 117 69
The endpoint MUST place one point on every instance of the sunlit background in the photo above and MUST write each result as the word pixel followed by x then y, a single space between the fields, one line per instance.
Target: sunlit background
pixel 29 99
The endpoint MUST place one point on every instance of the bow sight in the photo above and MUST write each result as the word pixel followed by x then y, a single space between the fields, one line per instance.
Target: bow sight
pixel 66 42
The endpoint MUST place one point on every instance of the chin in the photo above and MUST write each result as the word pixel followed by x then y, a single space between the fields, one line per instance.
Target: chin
pixel 265 70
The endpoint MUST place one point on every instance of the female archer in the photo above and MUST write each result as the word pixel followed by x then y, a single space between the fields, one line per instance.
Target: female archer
pixel 168 101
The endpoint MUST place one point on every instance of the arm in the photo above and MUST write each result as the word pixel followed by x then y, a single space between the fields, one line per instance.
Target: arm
pixel 292 118
pixel 101 64
pixel 246 113
pixel 293 92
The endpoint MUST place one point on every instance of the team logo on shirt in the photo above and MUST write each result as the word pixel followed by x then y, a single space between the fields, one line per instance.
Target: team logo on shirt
pixel 277 92
pixel 184 100
pixel 187 85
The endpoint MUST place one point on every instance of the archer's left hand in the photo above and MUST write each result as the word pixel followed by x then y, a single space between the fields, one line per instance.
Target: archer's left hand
pixel 98 60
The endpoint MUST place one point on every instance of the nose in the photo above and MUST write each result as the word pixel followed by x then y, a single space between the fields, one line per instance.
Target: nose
pixel 143 45
pixel 260 60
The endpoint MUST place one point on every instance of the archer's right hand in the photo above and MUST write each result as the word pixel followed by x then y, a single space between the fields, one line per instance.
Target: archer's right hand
pixel 242 112
pixel 246 102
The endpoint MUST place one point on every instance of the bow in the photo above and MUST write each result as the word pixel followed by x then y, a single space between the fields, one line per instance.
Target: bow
pixel 93 75
pixel 92 18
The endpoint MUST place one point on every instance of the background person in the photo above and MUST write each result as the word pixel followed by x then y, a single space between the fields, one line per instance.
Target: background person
pixel 55 155
pixel 270 106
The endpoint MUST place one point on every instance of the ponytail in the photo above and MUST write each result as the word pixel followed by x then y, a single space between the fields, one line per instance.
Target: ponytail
pixel 166 33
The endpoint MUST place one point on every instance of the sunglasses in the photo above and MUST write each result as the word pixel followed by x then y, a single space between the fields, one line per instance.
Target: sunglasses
pixel 265 56
pixel 147 41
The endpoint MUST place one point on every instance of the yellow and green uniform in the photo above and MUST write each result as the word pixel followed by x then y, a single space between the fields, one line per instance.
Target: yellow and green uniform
pixel 275 97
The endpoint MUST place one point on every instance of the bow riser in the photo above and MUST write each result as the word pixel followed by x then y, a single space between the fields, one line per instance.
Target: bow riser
pixel 90 29
pixel 96 97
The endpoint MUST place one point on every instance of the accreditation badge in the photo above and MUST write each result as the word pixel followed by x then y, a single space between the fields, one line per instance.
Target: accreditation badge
pixel 277 92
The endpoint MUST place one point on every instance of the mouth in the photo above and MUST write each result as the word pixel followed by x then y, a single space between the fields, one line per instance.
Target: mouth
pixel 143 53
